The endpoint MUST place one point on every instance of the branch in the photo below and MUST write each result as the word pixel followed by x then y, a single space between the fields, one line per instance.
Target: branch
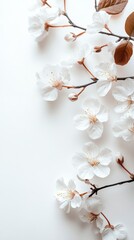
pixel 96 7
pixel 96 190
pixel 95 80
pixel 101 32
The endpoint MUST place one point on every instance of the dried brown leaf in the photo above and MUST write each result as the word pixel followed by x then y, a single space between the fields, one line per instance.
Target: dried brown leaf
pixel 123 53
pixel 112 7
pixel 129 25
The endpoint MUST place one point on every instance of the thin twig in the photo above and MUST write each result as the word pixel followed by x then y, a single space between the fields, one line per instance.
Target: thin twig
pixel 95 5
pixel 101 32
pixel 65 6
pixel 96 190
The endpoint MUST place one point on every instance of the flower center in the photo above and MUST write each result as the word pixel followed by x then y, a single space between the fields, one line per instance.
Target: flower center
pixel 92 118
pixel 131 129
pixel 57 84
pixel 109 77
pixel 92 217
pixel 130 101
pixel 67 195
pixel 94 163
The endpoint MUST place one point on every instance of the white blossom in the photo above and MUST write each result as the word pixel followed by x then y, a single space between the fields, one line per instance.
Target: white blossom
pixel 124 94
pixel 39 21
pixel 51 80
pixel 91 214
pixel 106 73
pixel 117 232
pixel 93 161
pixel 92 118
pixel 99 21
pixel 124 128
pixel 67 195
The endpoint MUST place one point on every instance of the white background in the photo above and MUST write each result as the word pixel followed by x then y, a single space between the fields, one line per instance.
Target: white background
pixel 38 139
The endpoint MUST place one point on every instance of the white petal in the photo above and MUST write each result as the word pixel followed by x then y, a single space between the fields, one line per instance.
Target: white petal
pixel 128 135
pixel 103 87
pixel 60 185
pixel 96 130
pixel 94 28
pixel 71 185
pixel 91 149
pixel 79 159
pixel 81 121
pixel 94 205
pixel 101 171
pixel 131 111
pixel 91 105
pixel 76 201
pixel 102 116
pixel 120 232
pixel 65 206
pixel 84 216
pixel 108 234
pixel 120 93
pixel 105 157
pixel 49 93
pixel 122 107
pixel 86 172
pixel 99 223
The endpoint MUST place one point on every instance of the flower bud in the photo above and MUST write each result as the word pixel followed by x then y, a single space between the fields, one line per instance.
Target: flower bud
pixel 119 158
pixel 73 97
pixel 70 37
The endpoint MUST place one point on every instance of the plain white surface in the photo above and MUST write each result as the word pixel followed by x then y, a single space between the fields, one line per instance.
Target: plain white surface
pixel 38 139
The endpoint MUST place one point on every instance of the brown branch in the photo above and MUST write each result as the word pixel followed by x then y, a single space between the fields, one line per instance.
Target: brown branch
pixel 96 190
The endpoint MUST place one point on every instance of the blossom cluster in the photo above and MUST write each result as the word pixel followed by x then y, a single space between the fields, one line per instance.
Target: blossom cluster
pixel 92 161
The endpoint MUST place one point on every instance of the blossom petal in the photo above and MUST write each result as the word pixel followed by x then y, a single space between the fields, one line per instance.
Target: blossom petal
pixel 71 185
pixel 85 172
pixel 120 93
pixel 102 116
pixel 108 234
pixel 79 159
pixel 81 121
pixel 91 105
pixel 65 206
pixel 84 216
pixel 122 107
pixel 91 149
pixel 101 171
pixel 60 185
pixel 105 157
pixel 49 93
pixel 96 130
pixel 76 201
pixel 94 204
pixel 103 87
pixel 120 231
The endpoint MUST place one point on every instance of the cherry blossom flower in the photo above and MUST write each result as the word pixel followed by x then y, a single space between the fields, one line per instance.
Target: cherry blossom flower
pixel 106 73
pixel 93 161
pixel 117 232
pixel 67 195
pixel 99 21
pixel 124 128
pixel 39 21
pixel 51 81
pixel 92 118
pixel 124 94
